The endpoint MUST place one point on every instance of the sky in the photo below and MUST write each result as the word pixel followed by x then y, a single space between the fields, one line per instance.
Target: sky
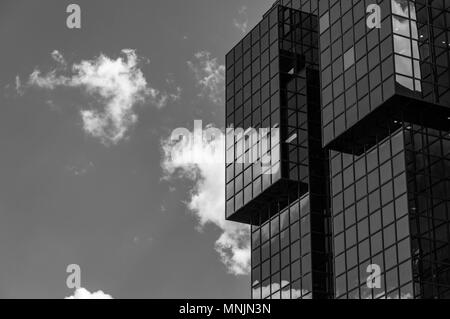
pixel 88 172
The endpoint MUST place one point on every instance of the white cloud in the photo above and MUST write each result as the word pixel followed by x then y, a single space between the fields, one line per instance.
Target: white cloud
pixel 242 22
pixel 207 198
pixel 118 84
pixel 82 293
pixel 210 76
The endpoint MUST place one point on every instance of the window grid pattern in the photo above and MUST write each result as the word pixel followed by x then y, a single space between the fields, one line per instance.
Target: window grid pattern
pixel 428 169
pixel 299 90
pixel 357 64
pixel 362 68
pixel 252 94
pixel 284 265
pixel 270 64
pixel 390 204
pixel 309 6
pixel 281 253
pixel 370 221
pixel 406 45
pixel 422 47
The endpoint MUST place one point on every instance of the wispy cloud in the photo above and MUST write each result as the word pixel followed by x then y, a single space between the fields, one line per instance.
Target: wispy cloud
pixel 82 293
pixel 14 89
pixel 58 57
pixel 242 21
pixel 80 169
pixel 207 199
pixel 210 76
pixel 118 84
pixel 18 86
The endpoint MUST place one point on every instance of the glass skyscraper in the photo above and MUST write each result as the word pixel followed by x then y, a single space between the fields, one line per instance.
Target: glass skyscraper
pixel 358 93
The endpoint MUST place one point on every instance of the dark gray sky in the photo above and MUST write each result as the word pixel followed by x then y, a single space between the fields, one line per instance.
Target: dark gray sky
pixel 66 197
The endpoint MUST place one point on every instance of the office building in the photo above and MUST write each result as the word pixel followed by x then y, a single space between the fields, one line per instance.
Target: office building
pixel 362 174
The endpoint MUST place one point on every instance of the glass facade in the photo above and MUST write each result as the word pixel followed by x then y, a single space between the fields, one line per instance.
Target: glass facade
pixel 391 208
pixel 406 45
pixel 376 83
pixel 427 154
pixel 253 102
pixel 421 46
pixel 281 253
pixel 364 149
pixel 288 212
pixel 272 80
pixel 356 63
pixel 370 221
pixel 365 67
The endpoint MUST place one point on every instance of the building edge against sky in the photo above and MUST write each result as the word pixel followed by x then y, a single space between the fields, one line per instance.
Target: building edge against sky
pixel 379 192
